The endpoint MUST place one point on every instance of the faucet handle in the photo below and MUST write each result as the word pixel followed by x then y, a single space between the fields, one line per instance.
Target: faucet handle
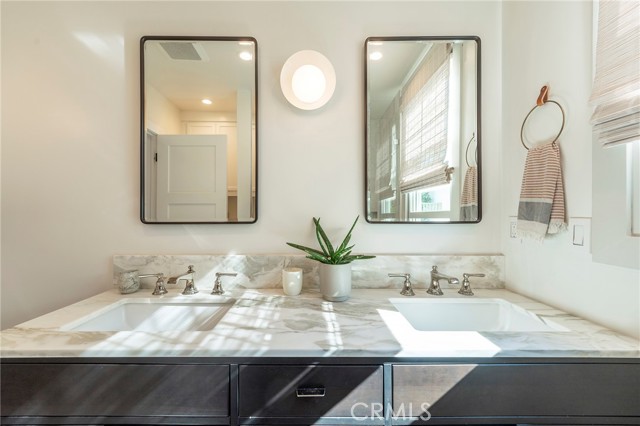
pixel 160 289
pixel 225 274
pixel 190 287
pixel 465 289
pixel 217 285
pixel 407 290
pixel 466 275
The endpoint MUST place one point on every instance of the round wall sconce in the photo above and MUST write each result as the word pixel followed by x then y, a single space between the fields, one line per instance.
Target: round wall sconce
pixel 307 79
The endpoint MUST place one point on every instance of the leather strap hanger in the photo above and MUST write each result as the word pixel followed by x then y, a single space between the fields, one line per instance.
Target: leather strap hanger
pixel 544 96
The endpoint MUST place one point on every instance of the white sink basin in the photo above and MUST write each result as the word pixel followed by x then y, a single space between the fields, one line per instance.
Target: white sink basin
pixel 457 314
pixel 155 316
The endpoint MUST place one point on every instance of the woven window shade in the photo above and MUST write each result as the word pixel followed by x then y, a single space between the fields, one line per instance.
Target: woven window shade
pixel 384 184
pixel 425 105
pixel 616 86
pixel 383 165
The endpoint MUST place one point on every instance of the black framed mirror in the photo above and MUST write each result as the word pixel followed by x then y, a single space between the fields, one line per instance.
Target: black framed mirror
pixel 199 116
pixel 423 162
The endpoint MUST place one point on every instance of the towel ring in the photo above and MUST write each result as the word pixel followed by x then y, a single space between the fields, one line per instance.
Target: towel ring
pixel 542 100
pixel 466 153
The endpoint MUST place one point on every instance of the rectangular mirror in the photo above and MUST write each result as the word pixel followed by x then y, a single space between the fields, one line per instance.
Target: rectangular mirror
pixel 423 129
pixel 198 130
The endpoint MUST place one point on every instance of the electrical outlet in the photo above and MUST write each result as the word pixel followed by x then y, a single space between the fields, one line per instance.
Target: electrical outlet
pixel 513 225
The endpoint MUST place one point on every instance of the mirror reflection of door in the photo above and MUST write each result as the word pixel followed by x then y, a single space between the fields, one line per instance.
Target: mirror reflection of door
pixel 191 178
pixel 198 123
pixel 422 130
pixel 227 129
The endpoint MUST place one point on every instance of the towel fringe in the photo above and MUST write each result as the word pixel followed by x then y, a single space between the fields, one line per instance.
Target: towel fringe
pixel 556 227
pixel 529 235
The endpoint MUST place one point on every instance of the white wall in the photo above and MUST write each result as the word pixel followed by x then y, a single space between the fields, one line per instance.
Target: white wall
pixel 70 128
pixel 162 116
pixel 550 42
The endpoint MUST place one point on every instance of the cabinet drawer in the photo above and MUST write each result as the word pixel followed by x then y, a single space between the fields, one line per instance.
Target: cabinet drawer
pixel 309 391
pixel 114 390
pixel 519 389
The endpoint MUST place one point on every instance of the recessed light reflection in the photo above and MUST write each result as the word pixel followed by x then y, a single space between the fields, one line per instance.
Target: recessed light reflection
pixel 245 56
pixel 207 101
pixel 375 56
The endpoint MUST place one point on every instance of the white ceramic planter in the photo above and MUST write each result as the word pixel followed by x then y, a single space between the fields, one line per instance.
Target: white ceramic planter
pixel 335 282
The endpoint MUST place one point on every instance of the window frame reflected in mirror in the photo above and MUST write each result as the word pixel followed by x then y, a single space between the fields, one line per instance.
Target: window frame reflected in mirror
pixel 423 69
pixel 226 193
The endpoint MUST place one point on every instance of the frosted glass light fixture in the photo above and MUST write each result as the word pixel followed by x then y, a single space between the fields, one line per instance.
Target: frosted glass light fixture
pixel 308 80
pixel 308 83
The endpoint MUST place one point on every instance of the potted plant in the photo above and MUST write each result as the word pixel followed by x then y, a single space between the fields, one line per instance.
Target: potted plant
pixel 335 263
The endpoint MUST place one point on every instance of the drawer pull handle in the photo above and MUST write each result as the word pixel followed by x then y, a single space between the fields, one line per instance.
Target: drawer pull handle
pixel 310 392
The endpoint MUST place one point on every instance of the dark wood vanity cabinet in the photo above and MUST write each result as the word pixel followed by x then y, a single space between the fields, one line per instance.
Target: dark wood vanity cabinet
pixel 281 393
pixel 552 393
pixel 68 393
pixel 328 392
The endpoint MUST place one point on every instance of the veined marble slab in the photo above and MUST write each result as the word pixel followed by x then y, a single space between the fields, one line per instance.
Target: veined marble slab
pixel 265 322
pixel 265 271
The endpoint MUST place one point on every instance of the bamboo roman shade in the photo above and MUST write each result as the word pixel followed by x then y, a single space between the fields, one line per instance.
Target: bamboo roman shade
pixel 383 162
pixel 616 87
pixel 424 105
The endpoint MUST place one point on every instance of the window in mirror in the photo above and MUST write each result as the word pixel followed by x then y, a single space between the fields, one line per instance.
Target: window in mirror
pixel 422 97
pixel 198 130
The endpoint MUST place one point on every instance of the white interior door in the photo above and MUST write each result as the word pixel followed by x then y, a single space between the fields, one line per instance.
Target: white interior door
pixel 192 178
pixel 227 128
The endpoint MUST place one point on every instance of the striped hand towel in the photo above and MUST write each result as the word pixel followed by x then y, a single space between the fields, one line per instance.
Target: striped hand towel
pixel 469 198
pixel 541 207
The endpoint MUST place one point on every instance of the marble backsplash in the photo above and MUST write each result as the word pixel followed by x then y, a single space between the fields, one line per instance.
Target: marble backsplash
pixel 265 271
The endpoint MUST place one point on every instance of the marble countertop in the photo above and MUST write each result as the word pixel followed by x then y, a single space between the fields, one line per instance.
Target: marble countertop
pixel 266 323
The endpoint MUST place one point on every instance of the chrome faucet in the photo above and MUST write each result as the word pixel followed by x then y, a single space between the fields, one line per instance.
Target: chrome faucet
pixel 217 285
pixel 160 289
pixel 190 288
pixel 436 276
pixel 465 289
pixel 406 287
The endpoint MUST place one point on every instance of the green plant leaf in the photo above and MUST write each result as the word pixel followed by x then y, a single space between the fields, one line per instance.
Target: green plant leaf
pixel 321 259
pixel 306 249
pixel 320 234
pixel 362 256
pixel 322 246
pixel 347 238
pixel 343 255
pixel 344 250
pixel 340 256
